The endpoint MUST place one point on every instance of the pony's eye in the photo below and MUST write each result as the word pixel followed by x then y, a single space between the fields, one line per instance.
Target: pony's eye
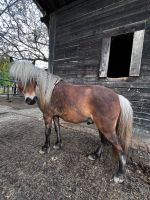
pixel 20 87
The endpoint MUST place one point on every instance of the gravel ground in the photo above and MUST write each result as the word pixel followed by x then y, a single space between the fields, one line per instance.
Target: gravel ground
pixel 61 174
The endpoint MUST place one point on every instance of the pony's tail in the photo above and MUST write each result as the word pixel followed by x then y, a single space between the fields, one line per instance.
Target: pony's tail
pixel 125 123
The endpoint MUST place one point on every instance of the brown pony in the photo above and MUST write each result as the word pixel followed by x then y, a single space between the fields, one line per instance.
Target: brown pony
pixel 112 113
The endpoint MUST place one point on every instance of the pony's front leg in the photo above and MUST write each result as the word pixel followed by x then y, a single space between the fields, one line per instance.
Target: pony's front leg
pixel 46 146
pixel 48 124
pixel 58 143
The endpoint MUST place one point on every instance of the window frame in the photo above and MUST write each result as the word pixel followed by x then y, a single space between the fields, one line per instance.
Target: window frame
pixel 136 54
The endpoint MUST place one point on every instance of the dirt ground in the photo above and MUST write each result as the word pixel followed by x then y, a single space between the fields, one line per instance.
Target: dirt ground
pixel 62 174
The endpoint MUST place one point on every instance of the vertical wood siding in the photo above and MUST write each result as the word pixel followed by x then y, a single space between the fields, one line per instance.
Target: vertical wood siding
pixel 78 44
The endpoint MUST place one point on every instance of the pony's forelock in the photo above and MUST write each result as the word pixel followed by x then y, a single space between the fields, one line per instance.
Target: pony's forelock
pixel 23 71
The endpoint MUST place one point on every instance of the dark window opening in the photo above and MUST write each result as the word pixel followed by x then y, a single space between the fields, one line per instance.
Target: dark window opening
pixel 120 56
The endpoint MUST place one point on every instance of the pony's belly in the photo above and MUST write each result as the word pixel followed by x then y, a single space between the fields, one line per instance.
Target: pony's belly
pixel 74 118
pixel 75 114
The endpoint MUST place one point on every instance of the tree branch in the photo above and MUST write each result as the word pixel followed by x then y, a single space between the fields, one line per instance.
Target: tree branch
pixel 8 6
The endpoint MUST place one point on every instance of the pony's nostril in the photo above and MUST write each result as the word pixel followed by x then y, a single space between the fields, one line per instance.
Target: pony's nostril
pixel 35 98
pixel 28 100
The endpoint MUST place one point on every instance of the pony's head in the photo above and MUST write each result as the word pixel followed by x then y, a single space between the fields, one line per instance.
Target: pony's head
pixel 28 91
pixel 34 83
pixel 25 74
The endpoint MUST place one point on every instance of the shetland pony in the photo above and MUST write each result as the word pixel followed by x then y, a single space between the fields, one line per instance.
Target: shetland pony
pixel 112 113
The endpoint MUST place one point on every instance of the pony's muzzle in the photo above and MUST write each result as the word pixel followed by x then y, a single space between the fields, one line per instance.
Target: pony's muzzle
pixel 30 101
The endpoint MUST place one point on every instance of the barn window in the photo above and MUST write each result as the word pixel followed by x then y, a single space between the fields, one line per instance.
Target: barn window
pixel 121 55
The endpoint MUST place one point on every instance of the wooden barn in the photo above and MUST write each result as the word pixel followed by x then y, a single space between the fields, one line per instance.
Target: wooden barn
pixel 104 42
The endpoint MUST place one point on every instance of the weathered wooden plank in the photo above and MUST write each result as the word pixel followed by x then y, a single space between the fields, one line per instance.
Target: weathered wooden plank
pixel 146 49
pixel 141 126
pixel 52 32
pixel 97 30
pixel 67 52
pixel 81 8
pixel 142 115
pixel 127 28
pixel 142 121
pixel 104 57
pixel 101 8
pixel 139 109
pixel 137 53
pixel 119 26
pixel 103 17
pixel 129 86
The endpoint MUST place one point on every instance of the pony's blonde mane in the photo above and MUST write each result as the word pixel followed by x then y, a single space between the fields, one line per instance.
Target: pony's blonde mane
pixel 26 72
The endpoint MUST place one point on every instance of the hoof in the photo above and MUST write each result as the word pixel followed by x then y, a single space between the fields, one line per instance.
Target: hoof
pixel 44 150
pixel 118 179
pixel 92 157
pixel 57 146
pixel 41 152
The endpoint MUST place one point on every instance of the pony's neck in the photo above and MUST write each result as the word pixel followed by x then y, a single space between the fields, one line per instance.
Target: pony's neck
pixel 45 88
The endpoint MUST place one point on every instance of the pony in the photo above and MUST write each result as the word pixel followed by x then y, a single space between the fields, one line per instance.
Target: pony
pixel 112 113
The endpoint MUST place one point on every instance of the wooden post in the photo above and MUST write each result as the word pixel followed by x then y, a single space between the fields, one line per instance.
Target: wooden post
pixel 8 93
pixel 52 31
pixel 4 89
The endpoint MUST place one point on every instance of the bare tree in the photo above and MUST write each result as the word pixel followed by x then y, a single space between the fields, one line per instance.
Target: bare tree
pixel 22 35
pixel 4 6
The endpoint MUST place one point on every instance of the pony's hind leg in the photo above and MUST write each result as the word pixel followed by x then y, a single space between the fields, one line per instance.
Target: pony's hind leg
pixel 114 140
pixel 58 143
pixel 96 154
pixel 118 178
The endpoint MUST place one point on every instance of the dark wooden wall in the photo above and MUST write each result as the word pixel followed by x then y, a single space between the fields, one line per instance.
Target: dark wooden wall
pixel 80 28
